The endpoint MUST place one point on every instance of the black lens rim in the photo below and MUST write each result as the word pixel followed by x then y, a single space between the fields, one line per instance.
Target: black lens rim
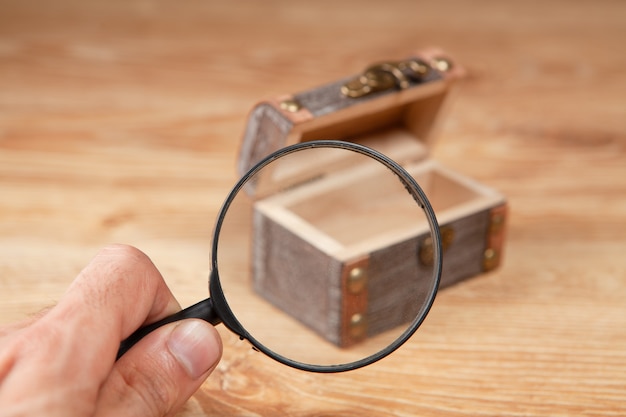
pixel 230 320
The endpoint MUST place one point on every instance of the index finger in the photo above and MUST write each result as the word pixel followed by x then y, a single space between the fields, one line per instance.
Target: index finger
pixel 121 289
pixel 77 340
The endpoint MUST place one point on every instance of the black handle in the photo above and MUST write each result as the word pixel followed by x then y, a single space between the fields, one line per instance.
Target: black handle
pixel 203 310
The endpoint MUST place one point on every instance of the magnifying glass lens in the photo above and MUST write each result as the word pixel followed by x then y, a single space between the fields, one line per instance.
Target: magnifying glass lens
pixel 317 252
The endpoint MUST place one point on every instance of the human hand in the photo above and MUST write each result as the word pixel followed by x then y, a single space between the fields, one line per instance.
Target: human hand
pixel 62 362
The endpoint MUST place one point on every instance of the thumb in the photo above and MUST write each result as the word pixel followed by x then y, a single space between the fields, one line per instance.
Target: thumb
pixel 162 371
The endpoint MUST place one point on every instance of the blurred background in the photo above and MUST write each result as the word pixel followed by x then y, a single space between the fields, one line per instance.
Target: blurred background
pixel 121 122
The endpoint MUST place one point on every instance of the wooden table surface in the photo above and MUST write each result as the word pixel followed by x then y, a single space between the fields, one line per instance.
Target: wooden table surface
pixel 120 122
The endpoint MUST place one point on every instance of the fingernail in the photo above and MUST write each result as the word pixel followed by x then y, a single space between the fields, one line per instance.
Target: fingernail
pixel 196 346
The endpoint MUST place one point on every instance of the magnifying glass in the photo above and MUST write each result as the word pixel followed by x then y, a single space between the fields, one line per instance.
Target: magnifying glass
pixel 315 258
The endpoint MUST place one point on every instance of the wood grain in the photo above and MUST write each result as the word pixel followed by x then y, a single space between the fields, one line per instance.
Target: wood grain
pixel 120 122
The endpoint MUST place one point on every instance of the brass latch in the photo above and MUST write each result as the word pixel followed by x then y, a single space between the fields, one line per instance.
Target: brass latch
pixel 388 75
pixel 426 250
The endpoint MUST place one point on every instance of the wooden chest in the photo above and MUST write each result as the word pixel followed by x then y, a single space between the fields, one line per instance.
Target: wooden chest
pixel 393 107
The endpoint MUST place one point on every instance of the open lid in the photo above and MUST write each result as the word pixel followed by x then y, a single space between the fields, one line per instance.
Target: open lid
pixel 392 107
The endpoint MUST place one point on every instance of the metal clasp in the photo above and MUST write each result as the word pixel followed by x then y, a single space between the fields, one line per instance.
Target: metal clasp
pixel 385 76
pixel 426 251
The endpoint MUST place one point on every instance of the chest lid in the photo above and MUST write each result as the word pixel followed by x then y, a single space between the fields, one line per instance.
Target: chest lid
pixel 391 106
